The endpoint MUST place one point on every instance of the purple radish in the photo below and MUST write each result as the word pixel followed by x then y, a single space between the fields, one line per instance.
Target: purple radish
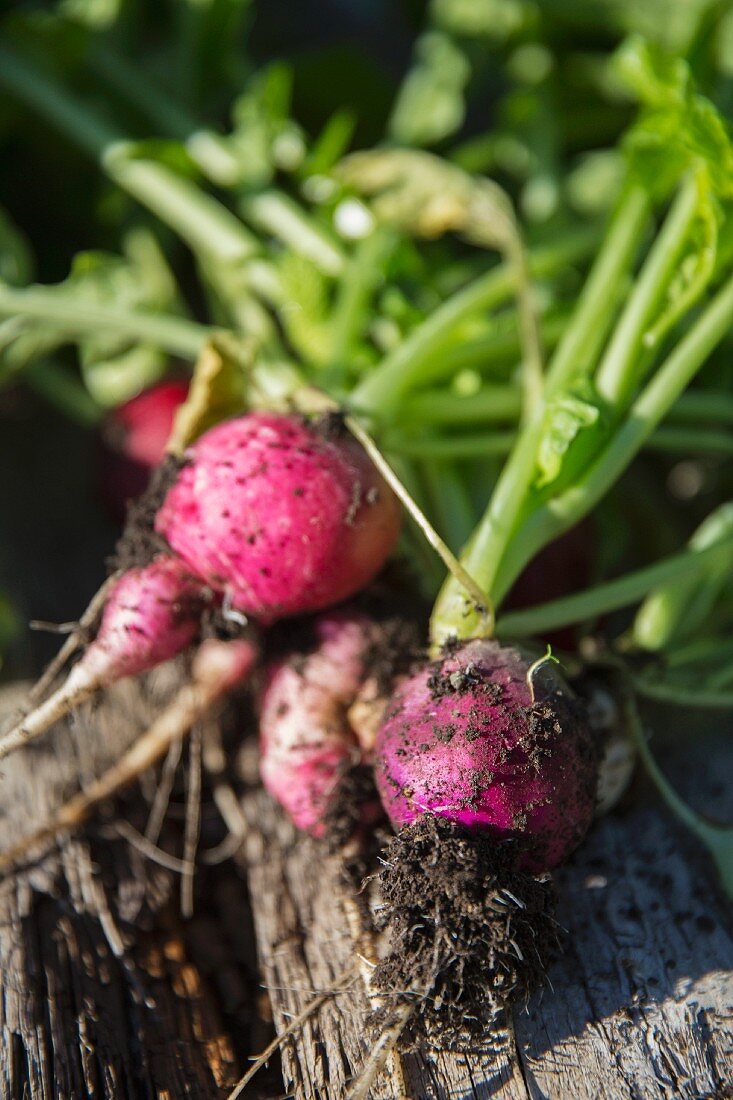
pixel 486 767
pixel 280 517
pixel 475 740
pixel 152 614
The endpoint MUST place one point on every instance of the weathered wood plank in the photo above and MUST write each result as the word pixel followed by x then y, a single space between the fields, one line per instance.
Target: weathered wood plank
pixel 641 1003
pixel 100 995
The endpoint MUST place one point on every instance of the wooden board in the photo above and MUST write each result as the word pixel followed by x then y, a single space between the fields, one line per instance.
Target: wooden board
pixel 640 1005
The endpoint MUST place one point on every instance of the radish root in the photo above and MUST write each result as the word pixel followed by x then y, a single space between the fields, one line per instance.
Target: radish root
pixel 217 667
pixel 295 1024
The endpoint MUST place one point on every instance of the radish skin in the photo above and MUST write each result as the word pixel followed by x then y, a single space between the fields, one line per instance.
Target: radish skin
pixel 151 615
pixel 278 517
pixel 306 743
pixel 467 740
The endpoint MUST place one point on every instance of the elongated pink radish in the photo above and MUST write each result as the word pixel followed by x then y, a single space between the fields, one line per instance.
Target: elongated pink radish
pixel 280 516
pixel 151 614
pixel 306 743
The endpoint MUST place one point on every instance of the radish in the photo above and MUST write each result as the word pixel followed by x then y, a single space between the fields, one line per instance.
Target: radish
pixel 306 742
pixel 152 613
pixel 486 767
pixel 280 515
pixel 470 739
pixel 134 438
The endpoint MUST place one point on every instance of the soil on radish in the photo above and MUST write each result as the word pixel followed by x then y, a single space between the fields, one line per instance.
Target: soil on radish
pixel 472 935
pixel 140 542
pixel 354 798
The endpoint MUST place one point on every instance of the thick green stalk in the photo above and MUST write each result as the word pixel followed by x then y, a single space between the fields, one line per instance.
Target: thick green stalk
pixel 618 370
pixel 383 388
pixel 652 405
pixel 611 595
pixel 575 355
pixel 350 314
pixel 176 335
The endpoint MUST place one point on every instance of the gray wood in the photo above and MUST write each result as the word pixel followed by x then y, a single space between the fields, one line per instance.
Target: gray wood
pixel 100 995
pixel 640 1005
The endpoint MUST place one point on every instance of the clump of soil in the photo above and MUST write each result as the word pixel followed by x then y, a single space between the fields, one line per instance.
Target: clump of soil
pixel 471 935
pixel 140 542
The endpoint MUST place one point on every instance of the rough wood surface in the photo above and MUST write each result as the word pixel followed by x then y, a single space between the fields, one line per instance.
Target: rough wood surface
pixel 639 1006
pixel 101 996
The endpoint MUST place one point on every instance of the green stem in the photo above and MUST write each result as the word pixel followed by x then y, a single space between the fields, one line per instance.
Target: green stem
pixel 584 336
pixel 492 403
pixel 660 394
pixel 278 214
pixel 361 275
pixel 484 353
pixel 717 407
pixel 61 388
pixel 610 595
pixel 380 392
pixel 270 211
pixel 175 335
pixel 464 446
pixel 575 354
pixel 206 226
pixel 691 441
pixel 451 503
pixel 683 697
pixel 618 369
pixel 491 443
pixel 718 839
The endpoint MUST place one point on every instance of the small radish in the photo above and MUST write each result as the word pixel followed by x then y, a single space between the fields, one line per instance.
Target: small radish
pixel 134 438
pixel 279 515
pixel 306 743
pixel 486 767
pixel 152 614
pixel 468 740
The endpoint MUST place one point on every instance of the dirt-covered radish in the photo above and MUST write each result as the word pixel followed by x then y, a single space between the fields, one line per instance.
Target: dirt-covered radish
pixel 307 744
pixel 280 515
pixel 152 613
pixel 486 767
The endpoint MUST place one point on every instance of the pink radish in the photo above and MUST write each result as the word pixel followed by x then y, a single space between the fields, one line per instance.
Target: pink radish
pixel 280 516
pixel 306 743
pixel 152 614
